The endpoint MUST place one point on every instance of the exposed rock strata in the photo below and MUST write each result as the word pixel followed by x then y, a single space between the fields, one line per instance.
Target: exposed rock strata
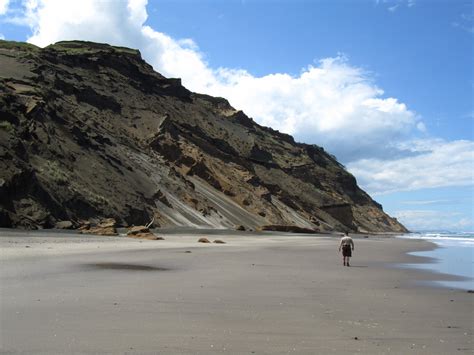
pixel 91 131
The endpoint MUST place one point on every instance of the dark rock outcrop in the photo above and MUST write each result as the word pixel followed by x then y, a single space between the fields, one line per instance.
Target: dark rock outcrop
pixel 341 212
pixel 90 131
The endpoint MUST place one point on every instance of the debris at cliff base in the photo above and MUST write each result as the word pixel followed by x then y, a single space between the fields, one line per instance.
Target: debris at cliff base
pixel 142 232
pixel 106 227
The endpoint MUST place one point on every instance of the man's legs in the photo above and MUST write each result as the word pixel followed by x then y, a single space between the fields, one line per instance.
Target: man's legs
pixel 344 260
pixel 347 262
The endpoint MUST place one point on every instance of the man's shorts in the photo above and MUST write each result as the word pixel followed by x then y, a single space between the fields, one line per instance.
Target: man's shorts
pixel 346 250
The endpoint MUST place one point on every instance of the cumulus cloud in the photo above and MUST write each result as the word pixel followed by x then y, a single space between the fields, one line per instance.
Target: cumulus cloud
pixel 436 163
pixel 4 6
pixel 330 103
pixel 116 22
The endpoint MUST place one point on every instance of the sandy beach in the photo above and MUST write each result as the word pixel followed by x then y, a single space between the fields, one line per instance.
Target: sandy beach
pixel 256 294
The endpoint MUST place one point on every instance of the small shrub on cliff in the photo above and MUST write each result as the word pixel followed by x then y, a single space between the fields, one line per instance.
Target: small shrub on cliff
pixel 6 126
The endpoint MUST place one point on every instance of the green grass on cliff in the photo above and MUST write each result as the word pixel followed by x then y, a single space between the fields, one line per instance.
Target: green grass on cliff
pixel 82 47
pixel 18 46
pixel 69 47
pixel 6 126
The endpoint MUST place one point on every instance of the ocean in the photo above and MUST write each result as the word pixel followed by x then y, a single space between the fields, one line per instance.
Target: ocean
pixel 454 256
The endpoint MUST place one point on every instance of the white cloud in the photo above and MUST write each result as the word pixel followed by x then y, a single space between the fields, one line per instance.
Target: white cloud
pixel 435 163
pixel 429 202
pixel 330 103
pixel 2 36
pixel 433 220
pixel 116 22
pixel 394 5
pixel 465 23
pixel 393 8
pixel 4 6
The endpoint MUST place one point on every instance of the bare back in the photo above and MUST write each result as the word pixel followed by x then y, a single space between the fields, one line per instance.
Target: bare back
pixel 347 241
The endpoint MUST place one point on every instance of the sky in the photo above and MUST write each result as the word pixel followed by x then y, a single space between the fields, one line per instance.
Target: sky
pixel 384 85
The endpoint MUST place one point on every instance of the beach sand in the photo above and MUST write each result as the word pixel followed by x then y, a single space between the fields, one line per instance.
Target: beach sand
pixel 257 294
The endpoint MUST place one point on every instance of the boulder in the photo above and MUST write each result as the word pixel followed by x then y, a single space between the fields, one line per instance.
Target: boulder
pixel 84 225
pixel 107 223
pixel 240 228
pixel 105 227
pixel 109 231
pixel 218 241
pixel 203 240
pixel 142 232
pixel 137 230
pixel 64 225
pixel 147 236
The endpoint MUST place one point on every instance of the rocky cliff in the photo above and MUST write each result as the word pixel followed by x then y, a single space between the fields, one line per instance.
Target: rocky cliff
pixel 89 130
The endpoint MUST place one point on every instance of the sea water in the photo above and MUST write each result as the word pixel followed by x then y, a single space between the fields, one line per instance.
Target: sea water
pixel 454 256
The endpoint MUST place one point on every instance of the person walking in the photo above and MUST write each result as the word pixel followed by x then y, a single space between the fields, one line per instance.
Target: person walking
pixel 347 246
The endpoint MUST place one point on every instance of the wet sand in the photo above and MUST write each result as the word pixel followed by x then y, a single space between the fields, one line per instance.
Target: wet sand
pixel 257 294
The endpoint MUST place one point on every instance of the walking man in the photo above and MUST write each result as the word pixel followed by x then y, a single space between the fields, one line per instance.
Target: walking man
pixel 347 245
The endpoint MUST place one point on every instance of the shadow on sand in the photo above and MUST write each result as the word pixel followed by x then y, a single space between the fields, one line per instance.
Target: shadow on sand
pixel 122 266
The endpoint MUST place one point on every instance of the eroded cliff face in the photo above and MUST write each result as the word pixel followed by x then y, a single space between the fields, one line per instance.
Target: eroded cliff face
pixel 88 131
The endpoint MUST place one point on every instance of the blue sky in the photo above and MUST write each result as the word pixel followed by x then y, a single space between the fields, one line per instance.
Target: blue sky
pixel 415 53
pixel 384 85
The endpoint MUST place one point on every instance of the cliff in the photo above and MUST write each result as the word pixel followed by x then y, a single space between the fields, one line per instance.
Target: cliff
pixel 88 130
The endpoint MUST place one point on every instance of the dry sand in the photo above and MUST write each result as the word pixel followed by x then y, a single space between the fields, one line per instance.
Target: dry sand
pixel 257 294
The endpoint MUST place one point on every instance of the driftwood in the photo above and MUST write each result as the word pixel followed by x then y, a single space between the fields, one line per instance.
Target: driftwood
pixel 151 223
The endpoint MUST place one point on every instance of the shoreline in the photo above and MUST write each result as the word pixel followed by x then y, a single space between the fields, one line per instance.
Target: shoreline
pixel 269 293
pixel 450 261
